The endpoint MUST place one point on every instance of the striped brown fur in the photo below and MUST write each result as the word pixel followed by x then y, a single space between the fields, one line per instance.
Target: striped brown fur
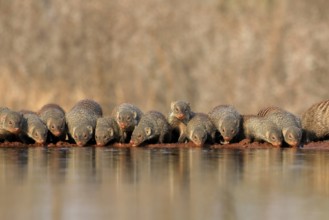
pixel 227 121
pixel 179 115
pixel 288 123
pixel 267 110
pixel 53 116
pixel 200 129
pixel 81 120
pixel 315 122
pixel 261 129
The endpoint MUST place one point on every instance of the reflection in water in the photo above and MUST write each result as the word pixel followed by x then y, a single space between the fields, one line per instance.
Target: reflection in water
pixel 139 183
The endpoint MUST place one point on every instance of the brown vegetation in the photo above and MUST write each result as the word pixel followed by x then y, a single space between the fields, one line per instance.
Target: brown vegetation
pixel 249 53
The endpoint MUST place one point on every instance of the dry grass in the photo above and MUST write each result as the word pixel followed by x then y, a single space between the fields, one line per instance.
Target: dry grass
pixel 249 53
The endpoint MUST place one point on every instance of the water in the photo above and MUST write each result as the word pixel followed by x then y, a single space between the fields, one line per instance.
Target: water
pixel 138 183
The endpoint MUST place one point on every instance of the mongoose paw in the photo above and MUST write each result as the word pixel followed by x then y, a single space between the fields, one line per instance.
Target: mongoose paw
pixel 245 141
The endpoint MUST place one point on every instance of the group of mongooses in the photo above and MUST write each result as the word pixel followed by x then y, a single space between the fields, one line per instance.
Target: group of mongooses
pixel 85 124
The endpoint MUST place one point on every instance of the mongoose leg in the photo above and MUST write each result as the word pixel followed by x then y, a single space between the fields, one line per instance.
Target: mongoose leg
pixel 123 136
pixel 182 138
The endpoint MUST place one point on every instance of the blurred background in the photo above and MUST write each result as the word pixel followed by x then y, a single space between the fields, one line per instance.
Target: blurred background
pixel 249 53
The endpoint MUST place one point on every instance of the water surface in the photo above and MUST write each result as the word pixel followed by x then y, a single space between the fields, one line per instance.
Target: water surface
pixel 141 183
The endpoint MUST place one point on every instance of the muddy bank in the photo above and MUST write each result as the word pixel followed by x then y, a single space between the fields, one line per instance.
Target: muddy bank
pixel 241 145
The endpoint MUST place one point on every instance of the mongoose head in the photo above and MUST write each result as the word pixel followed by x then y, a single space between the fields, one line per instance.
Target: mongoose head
pixel 274 137
pixel 127 119
pixel 198 136
pixel 292 135
pixel 82 134
pixel 140 135
pixel 103 135
pixel 12 121
pixel 38 133
pixel 228 128
pixel 56 126
pixel 181 110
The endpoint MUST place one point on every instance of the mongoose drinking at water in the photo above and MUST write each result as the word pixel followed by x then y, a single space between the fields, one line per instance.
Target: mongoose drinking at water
pixel 81 121
pixel 315 122
pixel 227 121
pixel 107 129
pixel 261 129
pixel 54 117
pixel 289 124
pixel 33 128
pixel 200 129
pixel 10 121
pixel 127 117
pixel 152 126
pixel 178 118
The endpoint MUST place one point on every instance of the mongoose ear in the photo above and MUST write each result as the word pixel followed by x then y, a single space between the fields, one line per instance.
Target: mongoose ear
pixel 148 131
pixel 31 131
pixel 110 130
pixel 117 115
pixel 172 105
pixel 135 114
pixel 284 131
pixel 49 123
pixel 3 117
pixel 73 131
pixel 90 128
pixel 267 134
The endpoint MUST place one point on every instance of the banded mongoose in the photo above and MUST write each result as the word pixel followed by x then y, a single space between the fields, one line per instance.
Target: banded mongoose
pixel 152 126
pixel 54 117
pixel 258 128
pixel 107 129
pixel 227 121
pixel 178 118
pixel 10 121
pixel 81 121
pixel 200 129
pixel 288 123
pixel 127 116
pixel 315 122
pixel 33 128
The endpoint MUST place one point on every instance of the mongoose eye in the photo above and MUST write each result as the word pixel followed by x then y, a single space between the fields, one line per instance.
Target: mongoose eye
pixel 176 109
pixel 128 118
pixel 223 129
pixel 290 136
pixel 96 136
pixel 232 131
pixel 85 135
pixel 273 138
pixel 52 127
pixel 139 136
pixel 10 122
